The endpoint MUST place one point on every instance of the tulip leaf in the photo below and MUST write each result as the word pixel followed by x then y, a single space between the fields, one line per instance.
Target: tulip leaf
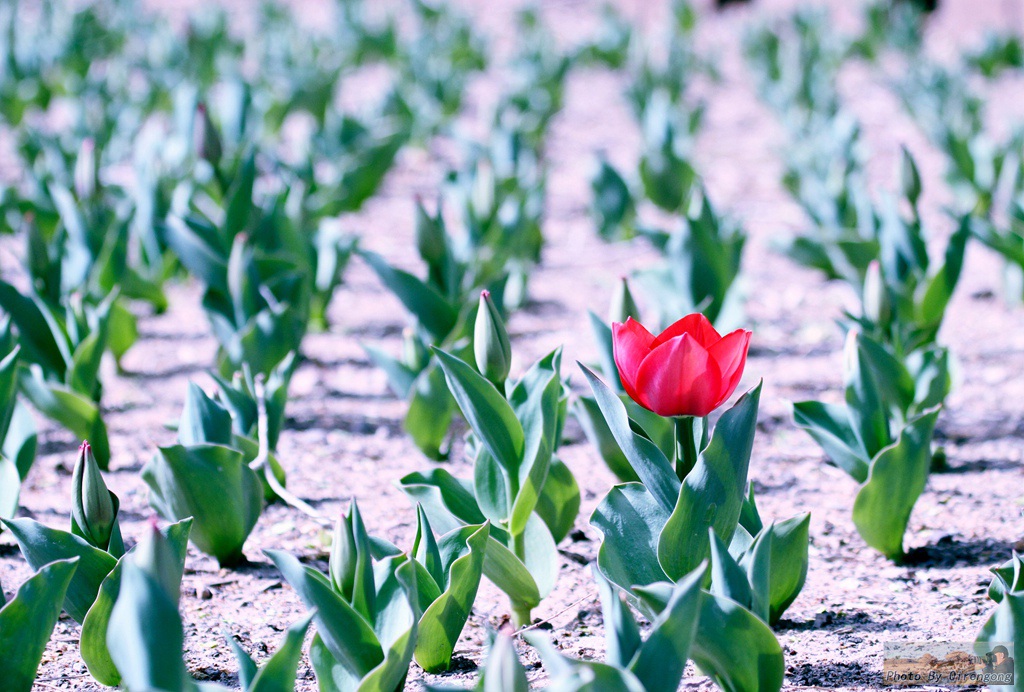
pixel 559 504
pixel 447 501
pixel 145 637
pixel 400 377
pixel 829 425
pixel 202 260
pixel 97 621
pixel 203 420
pixel 37 328
pixel 864 402
pixel 424 302
pixel 897 478
pixel 713 492
pixel 622 634
pixel 346 635
pixel 660 660
pixel 1004 626
pixel 647 460
pixel 42 545
pixel 27 621
pixel 789 548
pixel 728 579
pixel 631 521
pixel 431 409
pixel 588 413
pixel 213 485
pixel 488 413
pixel 736 648
pixel 19 444
pixel 73 410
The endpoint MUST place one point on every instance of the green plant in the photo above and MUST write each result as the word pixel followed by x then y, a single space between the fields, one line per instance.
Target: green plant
pixel 367 609
pixel 1004 625
pixel 27 621
pixel 443 306
pixel 17 428
pixel 882 435
pixel 529 496
pixel 207 476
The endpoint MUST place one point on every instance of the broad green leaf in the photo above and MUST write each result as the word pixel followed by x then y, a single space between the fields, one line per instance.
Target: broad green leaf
pixel 400 377
pixel 424 302
pixel 508 573
pixel 661 659
pixel 278 673
pixel 145 636
pixel 647 460
pixel 712 493
pixel 503 671
pixel 42 545
pixel 74 411
pixel 1005 625
pixel 93 640
pixel 789 561
pixel 728 579
pixel 442 623
pixel 559 504
pixel 488 414
pixel 19 445
pixel 213 485
pixel 830 427
pixel 898 475
pixel 865 407
pixel 631 521
pixel 206 262
pixel 397 626
pixel 621 633
pixel 736 648
pixel 447 501
pixel 348 637
pixel 431 409
pixel 588 414
pixel 27 621
pixel 203 420
pixel 40 337
pixel 758 565
pixel 10 488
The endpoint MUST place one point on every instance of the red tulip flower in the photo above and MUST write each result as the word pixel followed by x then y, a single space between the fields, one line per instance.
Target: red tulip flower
pixel 687 370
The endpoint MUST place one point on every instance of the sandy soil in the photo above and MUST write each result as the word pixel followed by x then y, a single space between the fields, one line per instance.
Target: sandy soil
pixel 344 436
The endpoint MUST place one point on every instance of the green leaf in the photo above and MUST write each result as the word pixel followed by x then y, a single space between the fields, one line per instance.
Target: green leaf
pixel 1004 626
pixel 621 633
pixel 240 206
pixel 203 420
pixel 447 501
pixel 19 444
pixel 736 648
pixel 486 411
pixel 10 488
pixel 898 475
pixel 93 640
pixel 865 406
pixel 145 636
pixel 76 412
pixel 206 262
pixel 647 460
pixel 278 673
pixel 39 335
pixel 631 521
pixel 830 427
pixel 789 548
pixel 400 377
pixel 588 413
pixel 661 659
pixel 27 621
pixel 559 504
pixel 213 485
pixel 424 302
pixel 397 625
pixel 442 623
pixel 42 545
pixel 712 493
pixel 345 633
pixel 758 564
pixel 431 409
pixel 728 579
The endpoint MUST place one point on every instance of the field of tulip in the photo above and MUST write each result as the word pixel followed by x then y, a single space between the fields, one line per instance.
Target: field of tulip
pixel 572 345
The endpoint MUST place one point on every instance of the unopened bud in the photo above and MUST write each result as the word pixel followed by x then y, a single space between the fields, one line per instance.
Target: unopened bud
pixel 623 306
pixel 205 138
pixel 93 507
pixel 342 565
pixel 490 342
pixel 86 170
pixel 875 306
pixel 430 237
pixel 910 178
pixel 414 352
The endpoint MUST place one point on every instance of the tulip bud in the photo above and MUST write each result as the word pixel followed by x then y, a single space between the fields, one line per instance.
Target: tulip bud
pixel 414 351
pixel 874 297
pixel 155 556
pixel 205 138
pixel 623 306
pixel 910 179
pixel 430 238
pixel 86 170
pixel 93 508
pixel 490 342
pixel 342 565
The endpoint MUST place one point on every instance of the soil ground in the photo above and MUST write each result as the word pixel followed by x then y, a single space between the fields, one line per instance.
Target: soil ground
pixel 344 438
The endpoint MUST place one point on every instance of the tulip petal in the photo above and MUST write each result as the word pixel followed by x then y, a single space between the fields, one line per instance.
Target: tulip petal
pixel 696 325
pixel 679 378
pixel 731 355
pixel 631 343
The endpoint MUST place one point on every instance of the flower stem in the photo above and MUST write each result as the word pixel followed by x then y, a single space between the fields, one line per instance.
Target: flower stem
pixel 520 613
pixel 689 439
